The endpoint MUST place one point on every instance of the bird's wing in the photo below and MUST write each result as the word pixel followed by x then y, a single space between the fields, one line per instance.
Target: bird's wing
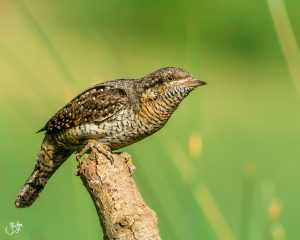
pixel 93 105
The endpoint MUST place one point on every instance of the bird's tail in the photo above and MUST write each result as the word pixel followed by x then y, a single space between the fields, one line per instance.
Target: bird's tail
pixel 49 159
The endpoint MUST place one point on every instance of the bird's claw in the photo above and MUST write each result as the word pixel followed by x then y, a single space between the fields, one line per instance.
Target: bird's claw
pixel 105 150
pixel 100 147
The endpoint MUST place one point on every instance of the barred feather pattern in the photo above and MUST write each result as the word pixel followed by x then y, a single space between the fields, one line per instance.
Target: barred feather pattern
pixel 49 159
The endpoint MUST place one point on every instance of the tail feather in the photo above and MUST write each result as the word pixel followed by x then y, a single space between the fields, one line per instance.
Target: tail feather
pixel 49 159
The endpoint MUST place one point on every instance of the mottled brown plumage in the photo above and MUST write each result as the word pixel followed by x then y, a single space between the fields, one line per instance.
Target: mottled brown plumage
pixel 115 113
pixel 95 104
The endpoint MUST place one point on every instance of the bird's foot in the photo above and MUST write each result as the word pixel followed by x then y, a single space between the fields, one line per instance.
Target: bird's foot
pixel 100 147
pixel 105 150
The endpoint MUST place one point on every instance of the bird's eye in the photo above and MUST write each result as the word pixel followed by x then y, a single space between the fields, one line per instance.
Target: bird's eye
pixel 170 77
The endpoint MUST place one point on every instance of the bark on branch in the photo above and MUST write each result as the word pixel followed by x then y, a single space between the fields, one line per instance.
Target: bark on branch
pixel 122 212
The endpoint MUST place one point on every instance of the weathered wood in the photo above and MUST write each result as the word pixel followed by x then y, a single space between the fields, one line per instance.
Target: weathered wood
pixel 122 212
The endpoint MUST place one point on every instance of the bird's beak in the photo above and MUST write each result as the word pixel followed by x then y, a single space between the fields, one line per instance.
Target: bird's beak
pixel 191 83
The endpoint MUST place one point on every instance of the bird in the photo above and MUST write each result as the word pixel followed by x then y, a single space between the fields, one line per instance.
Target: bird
pixel 116 114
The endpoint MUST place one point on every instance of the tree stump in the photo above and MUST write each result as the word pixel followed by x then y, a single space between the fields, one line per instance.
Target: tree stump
pixel 122 212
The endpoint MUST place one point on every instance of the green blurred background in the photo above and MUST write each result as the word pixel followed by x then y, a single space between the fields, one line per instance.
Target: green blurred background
pixel 226 164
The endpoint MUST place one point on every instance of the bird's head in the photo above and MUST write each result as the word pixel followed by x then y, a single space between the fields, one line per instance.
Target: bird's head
pixel 170 82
